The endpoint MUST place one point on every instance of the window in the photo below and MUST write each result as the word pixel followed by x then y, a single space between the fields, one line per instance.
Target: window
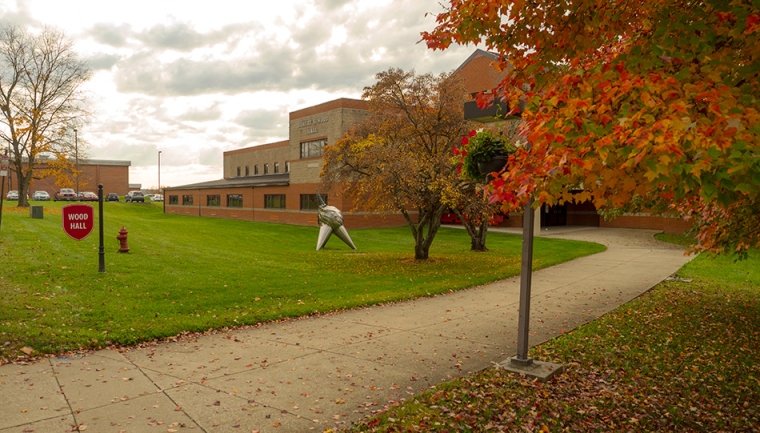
pixel 256 169
pixel 287 167
pixel 234 200
pixel 274 201
pixel 173 199
pixel 311 201
pixel 238 172
pixel 247 171
pixel 213 200
pixel 187 200
pixel 276 167
pixel 266 168
pixel 313 149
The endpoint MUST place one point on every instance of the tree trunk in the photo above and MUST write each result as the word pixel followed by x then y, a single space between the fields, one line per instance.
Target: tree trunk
pixel 424 230
pixel 22 186
pixel 421 251
pixel 478 240
pixel 477 232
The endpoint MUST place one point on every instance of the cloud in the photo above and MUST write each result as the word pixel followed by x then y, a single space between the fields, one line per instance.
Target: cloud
pixel 203 78
pixel 178 36
pixel 102 61
pixel 109 34
pixel 16 16
pixel 263 126
pixel 241 57
pixel 212 112
pixel 262 119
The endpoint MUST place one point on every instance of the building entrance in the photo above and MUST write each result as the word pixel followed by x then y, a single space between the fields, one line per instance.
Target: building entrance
pixel 570 214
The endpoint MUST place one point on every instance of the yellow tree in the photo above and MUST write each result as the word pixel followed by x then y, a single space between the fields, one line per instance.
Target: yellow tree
pixel 645 105
pixel 40 80
pixel 399 158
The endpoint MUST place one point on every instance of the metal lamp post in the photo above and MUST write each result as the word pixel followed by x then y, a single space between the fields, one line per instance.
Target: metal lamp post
pixel 520 363
pixel 76 158
pixel 159 172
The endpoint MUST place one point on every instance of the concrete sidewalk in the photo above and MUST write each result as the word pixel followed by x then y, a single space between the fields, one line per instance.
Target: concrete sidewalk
pixel 317 373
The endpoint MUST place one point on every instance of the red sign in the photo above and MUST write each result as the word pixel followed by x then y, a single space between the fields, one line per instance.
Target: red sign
pixel 78 220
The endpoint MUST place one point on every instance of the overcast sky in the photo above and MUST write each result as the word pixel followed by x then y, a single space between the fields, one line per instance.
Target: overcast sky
pixel 194 78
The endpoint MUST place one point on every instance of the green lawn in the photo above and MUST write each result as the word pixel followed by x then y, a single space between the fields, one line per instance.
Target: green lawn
pixel 683 357
pixel 193 274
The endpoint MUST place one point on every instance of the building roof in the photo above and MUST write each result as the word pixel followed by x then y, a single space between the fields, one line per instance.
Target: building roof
pixel 357 104
pixel 281 179
pixel 258 147
pixel 477 54
pixel 105 162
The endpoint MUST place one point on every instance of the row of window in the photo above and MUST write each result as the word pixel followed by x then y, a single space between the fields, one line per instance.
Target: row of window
pixel 309 149
pixel 271 201
pixel 275 166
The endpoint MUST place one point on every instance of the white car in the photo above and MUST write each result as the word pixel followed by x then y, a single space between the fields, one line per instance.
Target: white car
pixel 40 195
pixel 157 197
pixel 12 195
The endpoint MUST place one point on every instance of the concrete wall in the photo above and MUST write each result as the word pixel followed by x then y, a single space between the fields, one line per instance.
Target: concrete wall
pixel 252 157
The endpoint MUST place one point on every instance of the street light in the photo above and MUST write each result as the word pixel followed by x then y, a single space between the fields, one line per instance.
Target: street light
pixel 76 158
pixel 519 363
pixel 159 172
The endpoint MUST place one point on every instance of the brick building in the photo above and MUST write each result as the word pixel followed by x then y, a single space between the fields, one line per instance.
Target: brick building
pixel 114 175
pixel 279 182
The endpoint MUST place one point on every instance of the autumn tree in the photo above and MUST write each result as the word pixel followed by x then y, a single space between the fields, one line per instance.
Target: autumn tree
pixel 471 203
pixel 479 157
pixel 399 158
pixel 40 98
pixel 645 105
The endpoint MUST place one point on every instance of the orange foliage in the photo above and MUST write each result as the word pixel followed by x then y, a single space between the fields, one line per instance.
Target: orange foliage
pixel 648 105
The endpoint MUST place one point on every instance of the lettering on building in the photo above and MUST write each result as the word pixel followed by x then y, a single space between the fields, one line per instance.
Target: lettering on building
pixel 310 126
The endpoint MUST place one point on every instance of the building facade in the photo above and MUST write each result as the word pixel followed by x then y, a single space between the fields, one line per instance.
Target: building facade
pixel 280 182
pixel 114 175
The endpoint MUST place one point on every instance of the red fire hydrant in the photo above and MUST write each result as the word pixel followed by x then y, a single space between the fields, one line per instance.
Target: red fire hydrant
pixel 123 247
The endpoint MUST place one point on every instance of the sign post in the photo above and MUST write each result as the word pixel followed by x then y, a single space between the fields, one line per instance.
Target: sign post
pixel 3 174
pixel 101 249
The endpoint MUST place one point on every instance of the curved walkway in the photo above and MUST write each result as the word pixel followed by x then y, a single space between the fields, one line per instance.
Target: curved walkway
pixel 317 373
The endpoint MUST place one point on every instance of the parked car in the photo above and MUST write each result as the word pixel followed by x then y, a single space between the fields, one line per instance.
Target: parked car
pixel 88 196
pixel 66 194
pixel 12 195
pixel 134 196
pixel 112 196
pixel 40 195
pixel 157 197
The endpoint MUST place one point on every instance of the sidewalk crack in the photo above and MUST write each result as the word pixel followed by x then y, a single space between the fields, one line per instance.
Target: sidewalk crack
pixel 63 393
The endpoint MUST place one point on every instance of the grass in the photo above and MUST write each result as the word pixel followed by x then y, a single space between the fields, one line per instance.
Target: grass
pixel 683 357
pixel 188 274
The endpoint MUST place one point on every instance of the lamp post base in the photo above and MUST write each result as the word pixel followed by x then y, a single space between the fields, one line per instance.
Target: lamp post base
pixel 540 370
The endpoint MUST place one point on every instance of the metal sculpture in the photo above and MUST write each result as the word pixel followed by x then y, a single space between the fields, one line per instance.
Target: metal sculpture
pixel 331 221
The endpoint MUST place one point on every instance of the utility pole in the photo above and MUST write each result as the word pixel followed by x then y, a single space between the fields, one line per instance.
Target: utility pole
pixel 76 158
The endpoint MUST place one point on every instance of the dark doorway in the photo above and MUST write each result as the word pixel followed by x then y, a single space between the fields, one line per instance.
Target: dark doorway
pixel 552 216
pixel 570 214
